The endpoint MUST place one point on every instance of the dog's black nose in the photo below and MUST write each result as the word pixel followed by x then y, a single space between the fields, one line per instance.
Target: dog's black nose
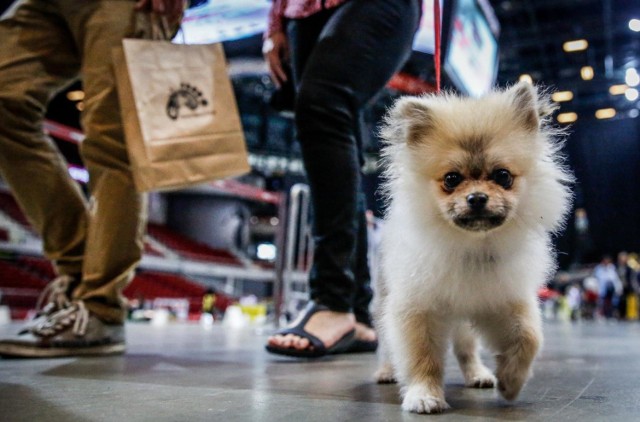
pixel 477 200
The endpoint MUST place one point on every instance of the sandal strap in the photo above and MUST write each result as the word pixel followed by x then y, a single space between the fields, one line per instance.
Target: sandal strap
pixel 310 310
pixel 298 330
pixel 317 344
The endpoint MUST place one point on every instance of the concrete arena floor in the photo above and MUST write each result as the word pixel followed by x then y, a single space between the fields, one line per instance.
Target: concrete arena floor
pixel 182 372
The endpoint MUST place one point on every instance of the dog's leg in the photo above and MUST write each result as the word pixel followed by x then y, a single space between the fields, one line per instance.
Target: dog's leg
pixel 516 334
pixel 465 347
pixel 418 344
pixel 385 373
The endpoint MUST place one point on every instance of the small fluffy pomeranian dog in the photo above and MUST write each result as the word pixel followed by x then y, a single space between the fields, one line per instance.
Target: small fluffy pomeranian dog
pixel 475 189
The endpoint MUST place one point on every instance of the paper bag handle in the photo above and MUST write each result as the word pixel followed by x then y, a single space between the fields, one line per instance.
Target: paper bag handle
pixel 152 26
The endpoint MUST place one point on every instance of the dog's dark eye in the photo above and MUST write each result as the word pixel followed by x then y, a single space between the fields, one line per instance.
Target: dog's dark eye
pixel 503 178
pixel 451 180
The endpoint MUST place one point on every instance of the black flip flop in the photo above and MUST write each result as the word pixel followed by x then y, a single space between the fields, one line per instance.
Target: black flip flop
pixel 319 349
pixel 362 346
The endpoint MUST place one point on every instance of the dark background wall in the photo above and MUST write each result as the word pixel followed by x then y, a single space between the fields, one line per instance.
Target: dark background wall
pixel 4 4
pixel 605 155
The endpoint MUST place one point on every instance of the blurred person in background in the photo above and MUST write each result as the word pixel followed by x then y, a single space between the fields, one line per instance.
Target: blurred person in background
pixel 627 307
pixel 590 298
pixel 609 286
pixel 574 301
pixel 342 54
pixel 626 275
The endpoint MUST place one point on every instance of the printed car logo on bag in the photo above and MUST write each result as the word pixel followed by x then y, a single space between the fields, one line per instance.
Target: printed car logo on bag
pixel 186 96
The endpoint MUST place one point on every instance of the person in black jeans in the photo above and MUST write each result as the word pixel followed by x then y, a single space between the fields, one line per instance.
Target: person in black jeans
pixel 341 58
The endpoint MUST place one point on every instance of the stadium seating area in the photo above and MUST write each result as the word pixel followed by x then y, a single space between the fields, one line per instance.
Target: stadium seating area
pixel 181 245
pixel 20 288
pixel 191 249
pixel 40 267
pixel 150 250
pixel 149 285
pixel 23 277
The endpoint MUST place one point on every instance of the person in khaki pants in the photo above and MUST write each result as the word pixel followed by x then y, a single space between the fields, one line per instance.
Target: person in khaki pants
pixel 95 245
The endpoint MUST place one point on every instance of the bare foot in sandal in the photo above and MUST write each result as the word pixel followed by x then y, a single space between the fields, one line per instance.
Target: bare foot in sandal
pixel 365 333
pixel 327 326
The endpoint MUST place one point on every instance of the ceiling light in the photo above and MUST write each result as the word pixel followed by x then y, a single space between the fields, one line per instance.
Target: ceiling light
pixel 575 45
pixel 586 73
pixel 605 113
pixel 631 77
pixel 526 78
pixel 561 96
pixel 75 95
pixel 634 25
pixel 618 89
pixel 631 94
pixel 567 117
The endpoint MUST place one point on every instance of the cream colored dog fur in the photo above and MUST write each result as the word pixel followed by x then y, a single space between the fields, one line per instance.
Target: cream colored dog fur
pixel 475 187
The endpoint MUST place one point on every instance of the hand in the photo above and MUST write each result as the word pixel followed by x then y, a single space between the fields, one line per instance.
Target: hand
pixel 172 9
pixel 276 50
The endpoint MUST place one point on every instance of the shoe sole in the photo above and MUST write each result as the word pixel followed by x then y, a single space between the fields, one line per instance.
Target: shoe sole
pixel 23 351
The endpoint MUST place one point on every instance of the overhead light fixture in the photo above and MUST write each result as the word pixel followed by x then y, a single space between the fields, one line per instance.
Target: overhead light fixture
pixel 618 89
pixel 526 78
pixel 586 73
pixel 567 117
pixel 631 77
pixel 631 94
pixel 575 45
pixel 75 95
pixel 605 113
pixel 561 96
pixel 634 25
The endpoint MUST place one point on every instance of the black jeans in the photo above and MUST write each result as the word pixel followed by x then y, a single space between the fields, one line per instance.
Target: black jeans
pixel 341 59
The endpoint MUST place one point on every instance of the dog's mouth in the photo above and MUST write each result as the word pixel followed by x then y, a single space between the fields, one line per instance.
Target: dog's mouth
pixel 478 222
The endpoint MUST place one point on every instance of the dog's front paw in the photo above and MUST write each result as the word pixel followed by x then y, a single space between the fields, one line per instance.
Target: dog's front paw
pixel 385 374
pixel 482 378
pixel 419 399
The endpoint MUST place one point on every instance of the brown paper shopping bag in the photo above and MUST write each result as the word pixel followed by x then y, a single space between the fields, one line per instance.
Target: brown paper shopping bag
pixel 180 115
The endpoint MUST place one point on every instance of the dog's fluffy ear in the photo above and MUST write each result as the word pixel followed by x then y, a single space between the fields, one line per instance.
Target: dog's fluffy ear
pixel 525 103
pixel 407 120
pixel 531 106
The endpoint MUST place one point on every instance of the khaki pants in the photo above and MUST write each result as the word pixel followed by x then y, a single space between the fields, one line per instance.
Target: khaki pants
pixel 47 44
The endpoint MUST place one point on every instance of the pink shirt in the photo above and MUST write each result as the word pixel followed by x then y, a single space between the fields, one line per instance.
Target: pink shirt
pixel 295 9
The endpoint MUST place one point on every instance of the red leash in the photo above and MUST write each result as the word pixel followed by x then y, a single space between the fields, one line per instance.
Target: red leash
pixel 436 55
